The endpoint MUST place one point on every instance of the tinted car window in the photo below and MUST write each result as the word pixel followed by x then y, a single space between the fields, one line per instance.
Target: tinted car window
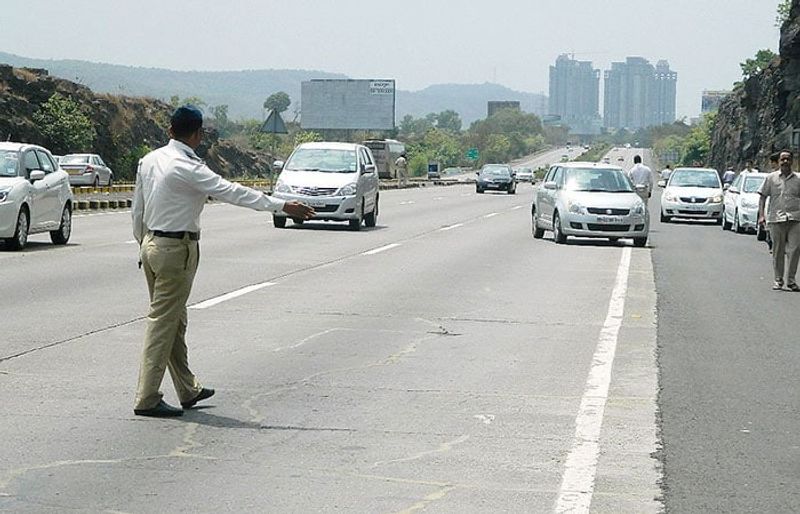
pixel 47 165
pixel 594 179
pixel 8 163
pixel 31 162
pixel 694 178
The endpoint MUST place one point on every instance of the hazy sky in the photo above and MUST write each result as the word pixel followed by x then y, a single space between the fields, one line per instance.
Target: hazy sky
pixel 416 42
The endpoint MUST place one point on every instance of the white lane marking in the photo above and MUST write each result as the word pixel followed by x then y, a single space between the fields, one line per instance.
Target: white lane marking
pixel 466 194
pixel 229 296
pixel 487 419
pixel 132 242
pixel 381 249
pixel 491 215
pixel 437 198
pixel 577 484
pixel 451 227
pixel 408 202
pixel 516 207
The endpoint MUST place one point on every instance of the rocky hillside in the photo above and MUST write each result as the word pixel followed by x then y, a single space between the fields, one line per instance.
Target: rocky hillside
pixel 758 118
pixel 123 124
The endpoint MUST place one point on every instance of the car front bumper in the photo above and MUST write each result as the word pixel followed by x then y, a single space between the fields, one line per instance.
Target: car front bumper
pixel 748 218
pixel 334 208
pixel 500 186
pixel 691 210
pixel 8 219
pixel 591 225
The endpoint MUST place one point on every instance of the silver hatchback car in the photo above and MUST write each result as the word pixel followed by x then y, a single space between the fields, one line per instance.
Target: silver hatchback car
pixel 586 199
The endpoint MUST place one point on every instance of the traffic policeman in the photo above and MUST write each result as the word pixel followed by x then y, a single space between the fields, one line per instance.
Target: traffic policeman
pixel 172 185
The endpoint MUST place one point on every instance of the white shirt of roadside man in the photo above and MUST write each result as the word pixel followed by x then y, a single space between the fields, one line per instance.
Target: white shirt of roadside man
pixel 172 185
pixel 641 175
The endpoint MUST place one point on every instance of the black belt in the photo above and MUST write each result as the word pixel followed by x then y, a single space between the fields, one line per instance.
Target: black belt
pixel 193 236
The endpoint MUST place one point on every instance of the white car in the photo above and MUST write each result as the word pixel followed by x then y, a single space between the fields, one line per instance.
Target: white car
pixel 35 195
pixel 740 205
pixel 524 175
pixel 339 180
pixel 86 169
pixel 693 193
pixel 588 199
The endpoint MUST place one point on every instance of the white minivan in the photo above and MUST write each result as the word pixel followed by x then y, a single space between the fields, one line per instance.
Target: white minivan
pixel 339 180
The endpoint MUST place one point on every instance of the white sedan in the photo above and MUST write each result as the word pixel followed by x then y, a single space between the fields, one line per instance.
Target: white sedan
pixel 35 195
pixel 694 193
pixel 741 203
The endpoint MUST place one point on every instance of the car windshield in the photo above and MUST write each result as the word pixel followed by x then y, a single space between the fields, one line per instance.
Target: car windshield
pixel 495 171
pixel 75 159
pixel 694 178
pixel 751 184
pixel 329 160
pixel 597 180
pixel 8 163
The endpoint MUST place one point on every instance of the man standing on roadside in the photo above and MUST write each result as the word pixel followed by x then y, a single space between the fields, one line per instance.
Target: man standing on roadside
pixel 783 190
pixel 641 176
pixel 172 185
pixel 401 165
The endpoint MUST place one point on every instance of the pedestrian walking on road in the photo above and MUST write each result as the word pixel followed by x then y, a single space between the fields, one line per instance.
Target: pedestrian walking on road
pixel 401 165
pixel 642 178
pixel 172 185
pixel 782 188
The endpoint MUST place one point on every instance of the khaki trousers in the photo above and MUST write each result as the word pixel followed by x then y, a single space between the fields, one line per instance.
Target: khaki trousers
pixel 785 244
pixel 169 267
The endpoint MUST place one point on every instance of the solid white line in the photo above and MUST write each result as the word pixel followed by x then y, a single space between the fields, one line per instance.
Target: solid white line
pixel 516 207
pixel 577 484
pixel 381 249
pixel 491 215
pixel 451 227
pixel 132 242
pixel 229 296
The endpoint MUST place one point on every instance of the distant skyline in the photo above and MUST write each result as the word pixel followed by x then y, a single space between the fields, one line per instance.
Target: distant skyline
pixel 510 42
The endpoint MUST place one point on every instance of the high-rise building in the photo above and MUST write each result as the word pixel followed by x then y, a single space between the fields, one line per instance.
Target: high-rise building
pixel 575 94
pixel 638 95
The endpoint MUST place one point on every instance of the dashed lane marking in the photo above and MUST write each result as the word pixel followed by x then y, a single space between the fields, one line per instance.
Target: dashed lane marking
pixel 451 227
pixel 491 215
pixel 381 249
pixel 230 296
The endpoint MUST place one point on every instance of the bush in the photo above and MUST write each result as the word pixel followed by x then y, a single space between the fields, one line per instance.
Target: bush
pixel 64 125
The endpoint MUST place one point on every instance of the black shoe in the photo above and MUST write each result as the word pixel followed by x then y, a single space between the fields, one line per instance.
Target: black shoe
pixel 162 410
pixel 202 395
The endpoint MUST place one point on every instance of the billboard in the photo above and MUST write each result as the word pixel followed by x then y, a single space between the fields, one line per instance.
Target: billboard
pixel 367 104
pixel 711 100
pixel 492 106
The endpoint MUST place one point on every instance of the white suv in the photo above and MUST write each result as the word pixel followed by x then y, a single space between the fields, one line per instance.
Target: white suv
pixel 339 180
pixel 35 195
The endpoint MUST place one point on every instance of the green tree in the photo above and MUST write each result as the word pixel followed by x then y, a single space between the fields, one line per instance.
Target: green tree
pixel 448 120
pixel 175 101
pixel 698 143
pixel 756 65
pixel 277 102
pixel 221 122
pixel 65 126
pixel 784 10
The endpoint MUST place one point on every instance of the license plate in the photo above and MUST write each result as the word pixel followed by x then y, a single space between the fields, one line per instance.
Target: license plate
pixel 316 203
pixel 75 172
pixel 695 207
pixel 609 219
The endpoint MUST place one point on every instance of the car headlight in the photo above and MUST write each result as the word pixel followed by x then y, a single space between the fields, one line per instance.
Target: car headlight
pixel 638 208
pixel 715 199
pixel 348 190
pixel 3 195
pixel 577 208
pixel 282 187
pixel 670 197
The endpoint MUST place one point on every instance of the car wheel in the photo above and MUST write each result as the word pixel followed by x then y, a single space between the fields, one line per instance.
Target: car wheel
pixel 558 235
pixel 538 233
pixel 639 241
pixel 110 181
pixel 61 236
pixel 96 181
pixel 20 238
pixel 371 219
pixel 737 227
pixel 665 219
pixel 613 239
pixel 725 224
pixel 479 190
pixel 298 221
pixel 355 225
pixel 279 221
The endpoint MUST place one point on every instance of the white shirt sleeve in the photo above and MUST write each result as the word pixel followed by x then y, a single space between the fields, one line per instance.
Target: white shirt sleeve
pixel 137 208
pixel 206 181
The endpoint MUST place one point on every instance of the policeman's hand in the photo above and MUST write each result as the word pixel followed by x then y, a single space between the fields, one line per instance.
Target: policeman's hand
pixel 296 209
pixel 762 220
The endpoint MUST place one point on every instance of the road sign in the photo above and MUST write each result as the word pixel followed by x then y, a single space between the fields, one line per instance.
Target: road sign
pixel 274 124
pixel 472 154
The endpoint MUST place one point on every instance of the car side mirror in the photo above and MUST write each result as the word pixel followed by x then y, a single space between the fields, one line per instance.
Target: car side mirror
pixel 662 183
pixel 36 175
pixel 725 187
pixel 277 165
pixel 550 185
pixel 369 168
pixel 734 190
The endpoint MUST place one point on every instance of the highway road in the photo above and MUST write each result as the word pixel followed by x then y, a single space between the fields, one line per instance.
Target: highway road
pixel 444 361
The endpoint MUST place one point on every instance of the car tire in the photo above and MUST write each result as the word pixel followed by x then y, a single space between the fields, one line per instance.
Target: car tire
pixel 279 221
pixel 479 190
pixel 61 236
pixel 538 233
pixel 639 242
pixel 558 235
pixel 371 219
pixel 725 224
pixel 298 221
pixel 665 219
pixel 613 239
pixel 355 225
pixel 110 180
pixel 20 238
pixel 737 226
pixel 96 181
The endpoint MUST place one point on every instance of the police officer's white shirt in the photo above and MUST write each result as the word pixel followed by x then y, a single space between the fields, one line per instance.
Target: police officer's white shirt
pixel 172 185
pixel 641 174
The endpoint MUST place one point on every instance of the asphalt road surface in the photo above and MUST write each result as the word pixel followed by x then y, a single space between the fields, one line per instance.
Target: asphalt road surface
pixel 444 361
